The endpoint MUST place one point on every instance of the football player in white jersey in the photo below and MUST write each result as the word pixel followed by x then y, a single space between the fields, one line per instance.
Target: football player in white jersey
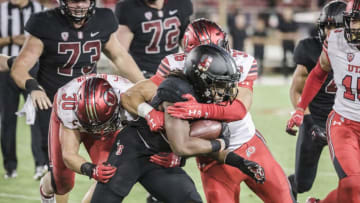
pixel 244 140
pixel 86 110
pixel 341 54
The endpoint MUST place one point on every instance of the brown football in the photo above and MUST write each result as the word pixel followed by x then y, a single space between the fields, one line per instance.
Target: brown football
pixel 207 129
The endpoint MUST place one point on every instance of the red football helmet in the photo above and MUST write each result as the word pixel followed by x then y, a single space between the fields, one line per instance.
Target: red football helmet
pixel 203 31
pixel 97 107
pixel 352 35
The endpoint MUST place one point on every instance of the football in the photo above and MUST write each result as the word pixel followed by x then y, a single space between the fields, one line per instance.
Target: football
pixel 207 129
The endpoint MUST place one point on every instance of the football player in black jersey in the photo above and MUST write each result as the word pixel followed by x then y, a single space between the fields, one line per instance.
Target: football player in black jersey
pixel 312 134
pixel 152 29
pixel 216 81
pixel 68 42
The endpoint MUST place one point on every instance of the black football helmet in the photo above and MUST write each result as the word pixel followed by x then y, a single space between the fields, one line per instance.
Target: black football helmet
pixel 213 74
pixel 71 12
pixel 352 35
pixel 331 16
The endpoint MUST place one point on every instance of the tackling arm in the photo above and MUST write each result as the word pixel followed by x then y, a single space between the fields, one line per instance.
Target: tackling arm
pixel 237 110
pixel 70 143
pixel 178 130
pixel 141 92
pixel 124 63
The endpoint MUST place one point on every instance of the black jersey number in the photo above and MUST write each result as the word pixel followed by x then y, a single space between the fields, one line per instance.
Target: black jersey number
pixel 171 25
pixel 75 50
pixel 348 94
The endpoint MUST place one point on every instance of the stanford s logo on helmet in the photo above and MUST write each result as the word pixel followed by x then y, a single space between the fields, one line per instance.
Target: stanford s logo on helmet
pixel 213 73
pixel 73 13
pixel 331 16
pixel 203 31
pixel 352 35
pixel 97 107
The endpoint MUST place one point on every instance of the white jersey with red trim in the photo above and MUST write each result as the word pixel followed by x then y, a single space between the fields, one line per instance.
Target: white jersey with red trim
pixel 345 63
pixel 241 130
pixel 67 95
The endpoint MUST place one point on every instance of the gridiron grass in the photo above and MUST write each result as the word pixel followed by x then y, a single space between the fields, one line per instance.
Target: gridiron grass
pixel 270 110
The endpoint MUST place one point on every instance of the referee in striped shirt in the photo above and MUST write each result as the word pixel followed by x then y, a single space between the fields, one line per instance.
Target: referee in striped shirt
pixel 13 16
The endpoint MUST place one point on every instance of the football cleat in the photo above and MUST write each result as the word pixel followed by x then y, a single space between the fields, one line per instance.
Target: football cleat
pixel 312 200
pixel 10 174
pixel 40 171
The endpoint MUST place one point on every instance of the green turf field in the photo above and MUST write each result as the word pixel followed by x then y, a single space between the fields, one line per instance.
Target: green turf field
pixel 270 111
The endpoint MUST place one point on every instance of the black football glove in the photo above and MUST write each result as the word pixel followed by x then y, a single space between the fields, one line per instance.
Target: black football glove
pixel 225 134
pixel 254 170
pixel 318 134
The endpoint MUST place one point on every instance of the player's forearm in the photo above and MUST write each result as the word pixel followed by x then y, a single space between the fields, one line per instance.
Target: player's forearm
pixel 20 73
pixel 312 86
pixel 73 161
pixel 4 41
pixel 182 144
pixel 127 68
pixel 140 93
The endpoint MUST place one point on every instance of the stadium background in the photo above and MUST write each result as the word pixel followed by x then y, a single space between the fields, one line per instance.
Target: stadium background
pixel 270 108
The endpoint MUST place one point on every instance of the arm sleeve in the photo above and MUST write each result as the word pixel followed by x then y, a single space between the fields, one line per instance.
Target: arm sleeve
pixel 312 85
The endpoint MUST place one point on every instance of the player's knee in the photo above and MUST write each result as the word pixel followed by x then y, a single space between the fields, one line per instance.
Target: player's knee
pixel 350 185
pixel 65 187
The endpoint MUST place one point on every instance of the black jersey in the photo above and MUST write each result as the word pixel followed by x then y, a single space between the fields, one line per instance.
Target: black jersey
pixel 156 32
pixel 307 53
pixel 170 90
pixel 69 52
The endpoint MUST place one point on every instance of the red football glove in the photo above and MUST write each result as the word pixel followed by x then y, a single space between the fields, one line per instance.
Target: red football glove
pixel 167 160
pixel 190 109
pixel 296 119
pixel 103 172
pixel 155 120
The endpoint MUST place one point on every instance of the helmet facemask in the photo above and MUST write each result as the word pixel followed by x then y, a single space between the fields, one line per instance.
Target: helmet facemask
pixel 352 34
pixel 216 89
pixel 77 14
pixel 331 17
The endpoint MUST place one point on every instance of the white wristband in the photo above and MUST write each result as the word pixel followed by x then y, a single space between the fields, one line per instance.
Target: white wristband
pixel 144 109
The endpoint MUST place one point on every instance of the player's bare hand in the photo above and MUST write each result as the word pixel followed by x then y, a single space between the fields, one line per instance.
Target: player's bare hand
pixel 40 99
pixel 296 120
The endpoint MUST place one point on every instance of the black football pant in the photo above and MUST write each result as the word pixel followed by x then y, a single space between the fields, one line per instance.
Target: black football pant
pixel 131 157
pixel 9 96
pixel 308 153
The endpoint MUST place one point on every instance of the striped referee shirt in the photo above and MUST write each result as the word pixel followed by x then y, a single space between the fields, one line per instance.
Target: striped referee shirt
pixel 12 22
